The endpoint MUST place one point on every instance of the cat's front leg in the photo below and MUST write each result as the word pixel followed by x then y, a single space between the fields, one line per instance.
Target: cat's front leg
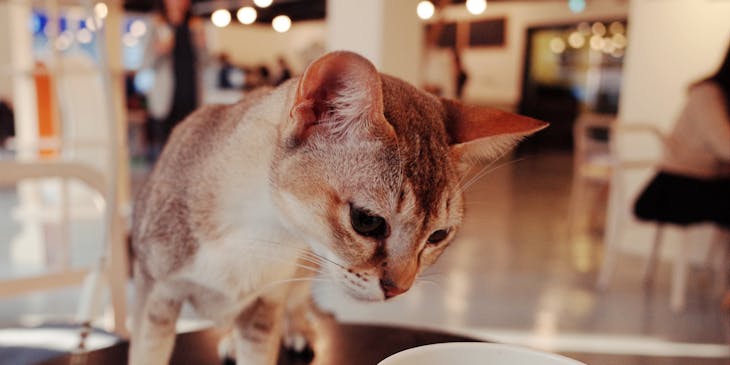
pixel 257 332
pixel 153 339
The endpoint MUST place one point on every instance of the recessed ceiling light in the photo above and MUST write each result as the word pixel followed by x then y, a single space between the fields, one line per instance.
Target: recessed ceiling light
pixel 263 3
pixel 246 15
pixel 220 18
pixel 425 9
pixel 281 23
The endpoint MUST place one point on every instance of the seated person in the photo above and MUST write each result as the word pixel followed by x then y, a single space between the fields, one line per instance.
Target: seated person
pixel 693 183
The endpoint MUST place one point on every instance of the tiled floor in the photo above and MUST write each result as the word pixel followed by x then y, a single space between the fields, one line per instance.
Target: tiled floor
pixel 515 275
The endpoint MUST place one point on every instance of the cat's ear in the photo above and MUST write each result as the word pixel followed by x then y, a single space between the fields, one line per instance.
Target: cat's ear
pixel 479 134
pixel 336 92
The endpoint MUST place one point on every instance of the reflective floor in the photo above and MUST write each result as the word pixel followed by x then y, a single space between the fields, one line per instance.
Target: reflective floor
pixel 514 275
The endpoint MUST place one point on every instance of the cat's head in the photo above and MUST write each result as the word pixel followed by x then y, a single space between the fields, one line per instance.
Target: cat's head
pixel 369 170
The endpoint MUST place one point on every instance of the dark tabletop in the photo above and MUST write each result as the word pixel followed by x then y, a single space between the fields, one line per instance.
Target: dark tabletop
pixel 336 344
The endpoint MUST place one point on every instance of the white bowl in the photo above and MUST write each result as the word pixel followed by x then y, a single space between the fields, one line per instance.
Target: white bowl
pixel 475 353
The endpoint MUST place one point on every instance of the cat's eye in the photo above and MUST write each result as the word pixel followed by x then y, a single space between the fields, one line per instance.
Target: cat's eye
pixel 367 224
pixel 438 236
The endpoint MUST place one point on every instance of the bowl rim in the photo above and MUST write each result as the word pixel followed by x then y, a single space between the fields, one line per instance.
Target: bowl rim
pixel 407 352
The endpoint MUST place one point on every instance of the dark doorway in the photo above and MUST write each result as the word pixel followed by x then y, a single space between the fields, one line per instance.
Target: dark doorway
pixel 570 69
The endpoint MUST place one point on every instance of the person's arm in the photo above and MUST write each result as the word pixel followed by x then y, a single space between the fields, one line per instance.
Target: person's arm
pixel 713 118
pixel 159 45
pixel 197 31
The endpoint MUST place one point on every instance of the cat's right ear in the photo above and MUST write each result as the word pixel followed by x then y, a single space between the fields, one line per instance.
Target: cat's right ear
pixel 337 92
pixel 479 134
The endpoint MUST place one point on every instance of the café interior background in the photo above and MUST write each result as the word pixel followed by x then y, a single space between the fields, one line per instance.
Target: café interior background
pixel 526 267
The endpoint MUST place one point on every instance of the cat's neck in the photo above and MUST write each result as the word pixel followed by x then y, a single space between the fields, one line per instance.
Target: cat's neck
pixel 246 158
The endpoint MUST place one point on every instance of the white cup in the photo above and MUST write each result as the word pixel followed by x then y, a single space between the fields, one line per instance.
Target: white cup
pixel 475 353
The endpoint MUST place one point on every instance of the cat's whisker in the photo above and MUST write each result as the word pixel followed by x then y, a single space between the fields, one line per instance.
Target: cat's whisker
pixel 432 275
pixel 305 253
pixel 466 174
pixel 430 282
pixel 315 269
pixel 273 284
pixel 327 260
pixel 473 178
pixel 484 172
pixel 300 254
pixel 480 202
pixel 487 172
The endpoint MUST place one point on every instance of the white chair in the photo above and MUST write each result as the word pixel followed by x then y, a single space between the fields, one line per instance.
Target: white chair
pixel 113 265
pixel 592 164
pixel 618 213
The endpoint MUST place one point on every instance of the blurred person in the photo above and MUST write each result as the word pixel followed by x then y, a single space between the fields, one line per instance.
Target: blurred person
pixel 7 123
pixel 284 71
pixel 225 70
pixel 177 54
pixel 264 75
pixel 460 75
pixel 693 182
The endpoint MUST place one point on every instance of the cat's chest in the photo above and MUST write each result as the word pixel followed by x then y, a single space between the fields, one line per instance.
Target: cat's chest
pixel 240 267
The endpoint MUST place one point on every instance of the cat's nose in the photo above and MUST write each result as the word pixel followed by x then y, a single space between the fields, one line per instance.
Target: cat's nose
pixel 390 289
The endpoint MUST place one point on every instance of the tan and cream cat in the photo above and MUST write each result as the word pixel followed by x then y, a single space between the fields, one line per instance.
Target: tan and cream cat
pixel 352 171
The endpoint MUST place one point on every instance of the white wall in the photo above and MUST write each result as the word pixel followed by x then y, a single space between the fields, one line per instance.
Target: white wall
pixel 356 25
pixel 495 74
pixel 256 44
pixel 403 39
pixel 5 61
pixel 387 32
pixel 672 44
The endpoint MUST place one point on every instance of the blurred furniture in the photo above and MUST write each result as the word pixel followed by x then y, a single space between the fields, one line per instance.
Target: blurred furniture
pixel 336 344
pixel 620 209
pixel 592 164
pixel 79 92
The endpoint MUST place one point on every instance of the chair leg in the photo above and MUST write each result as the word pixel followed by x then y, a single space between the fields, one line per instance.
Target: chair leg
pixel 651 263
pixel 119 276
pixel 677 298
pixel 614 221
pixel 576 197
pixel 717 258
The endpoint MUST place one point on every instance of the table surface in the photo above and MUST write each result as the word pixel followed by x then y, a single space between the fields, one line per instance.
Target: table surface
pixel 336 344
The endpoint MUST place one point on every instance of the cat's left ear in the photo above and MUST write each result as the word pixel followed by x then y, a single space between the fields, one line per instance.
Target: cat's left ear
pixel 337 93
pixel 480 134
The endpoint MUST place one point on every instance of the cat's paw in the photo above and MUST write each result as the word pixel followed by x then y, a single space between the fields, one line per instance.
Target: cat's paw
pixel 296 342
pixel 227 350
pixel 298 345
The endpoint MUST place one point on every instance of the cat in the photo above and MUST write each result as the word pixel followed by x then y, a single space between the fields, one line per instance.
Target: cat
pixel 343 170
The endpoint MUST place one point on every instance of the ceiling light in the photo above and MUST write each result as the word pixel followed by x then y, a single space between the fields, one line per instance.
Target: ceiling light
pixel 557 45
pixel 476 7
pixel 92 23
pixel 129 40
pixel 425 9
pixel 137 28
pixel 281 23
pixel 101 10
pixel 84 36
pixel 597 42
pixel 576 40
pixel 598 28
pixel 263 3
pixel 619 40
pixel 220 18
pixel 616 28
pixel 246 15
pixel 584 28
pixel 64 41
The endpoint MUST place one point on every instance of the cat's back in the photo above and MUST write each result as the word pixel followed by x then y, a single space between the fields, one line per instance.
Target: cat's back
pixel 175 206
